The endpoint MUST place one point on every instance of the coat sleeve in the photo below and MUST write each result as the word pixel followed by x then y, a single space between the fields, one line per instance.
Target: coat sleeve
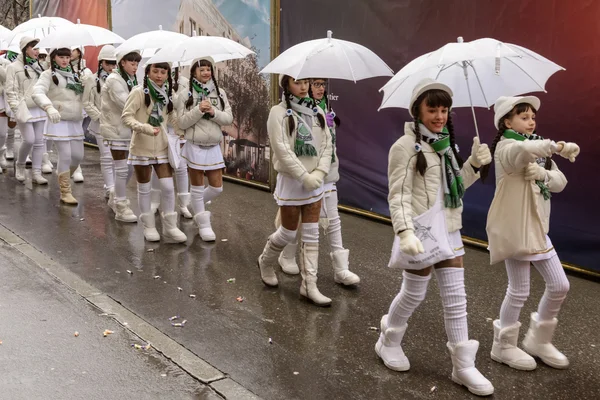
pixel 326 151
pixel 11 89
pixel 401 172
pixel 468 173
pixel 89 85
pixel 280 144
pixel 516 155
pixel 40 91
pixel 132 105
pixel 187 117
pixel 174 122
pixel 556 181
pixel 224 117
pixel 117 94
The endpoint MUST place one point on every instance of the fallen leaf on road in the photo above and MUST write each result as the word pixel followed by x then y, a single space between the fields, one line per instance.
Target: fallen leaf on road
pixel 107 332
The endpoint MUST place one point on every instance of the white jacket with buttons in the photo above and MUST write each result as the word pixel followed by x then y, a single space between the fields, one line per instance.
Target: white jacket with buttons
pixel 18 89
pixel 113 95
pixel 48 94
pixel 410 193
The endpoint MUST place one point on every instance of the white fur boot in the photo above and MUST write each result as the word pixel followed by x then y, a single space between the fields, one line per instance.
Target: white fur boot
pixel 464 371
pixel 505 350
pixel 538 342
pixel 389 347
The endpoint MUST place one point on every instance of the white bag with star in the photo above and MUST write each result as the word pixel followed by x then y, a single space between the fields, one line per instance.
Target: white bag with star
pixel 432 231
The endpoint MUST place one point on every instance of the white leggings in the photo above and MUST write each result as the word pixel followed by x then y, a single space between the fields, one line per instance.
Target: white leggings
pixel 32 134
pixel 70 154
pixel 106 163
pixel 3 131
pixel 557 286
pixel 329 210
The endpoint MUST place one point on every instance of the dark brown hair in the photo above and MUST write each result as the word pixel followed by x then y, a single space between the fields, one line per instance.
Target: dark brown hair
pixel 169 80
pixel 24 51
pixel 195 66
pixel 286 95
pixel 62 52
pixel 336 119
pixel 133 57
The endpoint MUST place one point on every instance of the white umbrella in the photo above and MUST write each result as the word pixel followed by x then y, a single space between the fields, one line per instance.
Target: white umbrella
pixel 4 32
pixel 36 27
pixel 151 42
pixel 79 35
pixel 329 58
pixel 478 72
pixel 201 46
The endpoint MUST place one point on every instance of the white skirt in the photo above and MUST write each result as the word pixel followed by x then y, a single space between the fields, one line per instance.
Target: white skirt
pixel 2 103
pixel 290 192
pixel 203 158
pixel 549 253
pixel 140 160
pixel 64 130
pixel 118 145
pixel 37 114
pixel 94 127
pixel 456 243
pixel 171 131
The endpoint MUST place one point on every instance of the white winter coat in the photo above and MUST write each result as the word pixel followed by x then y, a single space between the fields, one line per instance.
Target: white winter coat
pixel 3 64
pixel 410 193
pixel 18 89
pixel 48 94
pixel 92 100
pixel 114 94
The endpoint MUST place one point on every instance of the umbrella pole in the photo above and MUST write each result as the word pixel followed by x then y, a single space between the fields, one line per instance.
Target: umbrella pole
pixel 470 98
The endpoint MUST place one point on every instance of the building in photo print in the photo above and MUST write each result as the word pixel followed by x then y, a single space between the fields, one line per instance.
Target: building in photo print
pixel 245 142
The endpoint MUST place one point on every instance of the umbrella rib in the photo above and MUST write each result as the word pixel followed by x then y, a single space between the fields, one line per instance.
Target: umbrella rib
pixel 479 82
pixel 526 73
pixel 350 65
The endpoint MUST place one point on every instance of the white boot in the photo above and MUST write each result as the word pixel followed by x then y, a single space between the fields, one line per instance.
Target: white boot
pixel 309 266
pixel 202 219
pixel 3 163
pixel 341 274
pixel 20 172
pixel 10 144
pixel 464 371
pixel 505 350
pixel 265 264
pixel 170 230
pixel 37 178
pixel 389 347
pixel 182 207
pixel 123 212
pixel 538 342
pixel 287 259
pixel 46 164
pixel 107 192
pixel 150 232
pixel 78 175
pixel 111 200
pixel 154 200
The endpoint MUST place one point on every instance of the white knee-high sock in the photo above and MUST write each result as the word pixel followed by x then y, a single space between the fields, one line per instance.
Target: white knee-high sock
pixel 182 180
pixel 282 237
pixel 122 174
pixel 411 295
pixel 211 193
pixel 10 138
pixel 144 197
pixel 197 199
pixel 557 287
pixel 3 131
pixel 310 232
pixel 518 273
pixel 452 290
pixel 106 163
pixel 155 181
pixel 334 234
pixel 64 156
pixel 167 195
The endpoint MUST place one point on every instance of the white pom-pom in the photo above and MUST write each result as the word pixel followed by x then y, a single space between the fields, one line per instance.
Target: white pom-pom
pixel 146 90
pixel 418 147
pixel 288 112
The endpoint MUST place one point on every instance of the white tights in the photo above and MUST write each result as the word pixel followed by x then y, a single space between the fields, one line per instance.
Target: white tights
pixel 70 154
pixel 32 134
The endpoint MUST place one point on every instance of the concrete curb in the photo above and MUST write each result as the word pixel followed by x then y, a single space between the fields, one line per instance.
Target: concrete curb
pixel 178 354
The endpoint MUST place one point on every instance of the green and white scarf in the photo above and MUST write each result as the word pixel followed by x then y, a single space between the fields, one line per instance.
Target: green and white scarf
pixel 511 134
pixel 34 65
pixel 454 189
pixel 131 82
pixel 72 80
pixel 161 100
pixel 203 90
pixel 305 110
pixel 323 104
pixel 11 56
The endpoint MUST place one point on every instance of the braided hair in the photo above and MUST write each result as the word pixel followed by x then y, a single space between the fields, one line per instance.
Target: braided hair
pixel 176 79
pixel 336 119
pixel 203 63
pixel 132 57
pixel 24 52
pixel 147 99
pixel 98 88
pixel 288 104
pixel 62 52
pixel 518 109
pixel 78 60
pixel 433 98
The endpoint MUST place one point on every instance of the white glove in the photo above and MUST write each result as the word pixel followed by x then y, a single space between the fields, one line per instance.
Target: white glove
pixel 313 181
pixel 569 151
pixel 480 154
pixel 53 114
pixel 410 244
pixel 533 172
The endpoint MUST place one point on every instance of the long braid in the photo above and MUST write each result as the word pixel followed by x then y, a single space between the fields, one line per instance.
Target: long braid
pixel 212 74
pixel 321 120
pixel 98 76
pixel 170 93
pixel 25 62
pixel 421 161
pixel 190 100
pixel 146 95
pixel 450 127
pixel 484 170
pixel 176 83
pixel 54 78
pixel 291 123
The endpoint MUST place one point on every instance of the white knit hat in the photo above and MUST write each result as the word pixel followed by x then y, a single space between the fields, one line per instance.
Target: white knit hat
pixel 107 53
pixel 121 54
pixel 505 104
pixel 423 86
pixel 25 40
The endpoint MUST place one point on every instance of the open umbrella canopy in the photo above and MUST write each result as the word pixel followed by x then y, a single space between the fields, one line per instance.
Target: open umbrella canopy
pixel 329 58
pixel 151 42
pixel 37 28
pixel 201 46
pixel 80 35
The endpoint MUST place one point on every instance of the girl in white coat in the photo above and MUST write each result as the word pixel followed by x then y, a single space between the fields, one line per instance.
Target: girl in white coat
pixel 517 227
pixel 147 113
pixel 7 127
pixel 329 209
pixel 202 113
pixel 117 135
pixel 423 163
pixel 79 68
pixel 92 104
pixel 302 150
pixel 59 93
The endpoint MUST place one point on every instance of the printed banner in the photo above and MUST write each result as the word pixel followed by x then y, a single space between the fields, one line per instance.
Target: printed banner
pixel 401 30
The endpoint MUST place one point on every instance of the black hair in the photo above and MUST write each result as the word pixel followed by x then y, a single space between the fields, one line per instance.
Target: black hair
pixel 286 95
pixel 78 60
pixel 24 51
pixel 518 109
pixel 98 86
pixel 195 66
pixel 176 79
pixel 133 57
pixel 336 119
pixel 170 81
pixel 433 98
pixel 62 52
